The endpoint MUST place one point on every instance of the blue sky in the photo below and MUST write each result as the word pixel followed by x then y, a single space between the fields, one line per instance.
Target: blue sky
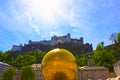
pixel 23 20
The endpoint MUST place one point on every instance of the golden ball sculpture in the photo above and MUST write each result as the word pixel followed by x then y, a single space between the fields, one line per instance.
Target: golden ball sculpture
pixel 59 64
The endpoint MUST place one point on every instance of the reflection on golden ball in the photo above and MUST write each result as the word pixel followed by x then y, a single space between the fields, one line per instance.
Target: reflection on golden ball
pixel 59 64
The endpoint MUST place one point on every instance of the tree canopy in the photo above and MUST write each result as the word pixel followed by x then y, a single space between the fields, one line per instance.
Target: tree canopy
pixel 103 57
pixel 8 74
pixel 23 59
pixel 81 59
pixel 27 73
pixel 118 37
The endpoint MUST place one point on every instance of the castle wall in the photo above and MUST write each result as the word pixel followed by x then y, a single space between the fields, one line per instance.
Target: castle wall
pixel 16 48
pixel 33 45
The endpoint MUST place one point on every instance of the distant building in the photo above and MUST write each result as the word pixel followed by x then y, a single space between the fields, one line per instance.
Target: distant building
pixel 38 45
pixel 3 66
pixel 38 72
pixel 94 73
pixel 84 73
pixel 16 48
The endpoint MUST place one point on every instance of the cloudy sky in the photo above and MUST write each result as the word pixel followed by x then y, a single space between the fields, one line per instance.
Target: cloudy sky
pixel 23 20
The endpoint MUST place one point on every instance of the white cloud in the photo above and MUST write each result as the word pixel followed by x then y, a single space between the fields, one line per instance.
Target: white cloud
pixel 36 28
pixel 45 18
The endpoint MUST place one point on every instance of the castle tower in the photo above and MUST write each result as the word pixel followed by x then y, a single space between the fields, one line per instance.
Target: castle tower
pixel 68 35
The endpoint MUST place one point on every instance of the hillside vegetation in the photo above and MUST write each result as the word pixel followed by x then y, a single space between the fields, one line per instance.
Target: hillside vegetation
pixel 116 48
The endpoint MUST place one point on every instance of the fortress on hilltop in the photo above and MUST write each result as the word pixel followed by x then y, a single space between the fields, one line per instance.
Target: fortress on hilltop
pixel 55 40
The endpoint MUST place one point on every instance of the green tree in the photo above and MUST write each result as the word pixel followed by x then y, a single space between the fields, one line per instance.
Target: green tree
pixel 27 58
pixel 39 56
pixel 81 59
pixel 100 46
pixel 118 37
pixel 1 56
pixel 27 73
pixel 103 57
pixel 6 56
pixel 24 60
pixel 36 54
pixel 8 74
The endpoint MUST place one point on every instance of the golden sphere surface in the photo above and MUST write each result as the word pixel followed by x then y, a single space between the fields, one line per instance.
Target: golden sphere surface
pixel 59 64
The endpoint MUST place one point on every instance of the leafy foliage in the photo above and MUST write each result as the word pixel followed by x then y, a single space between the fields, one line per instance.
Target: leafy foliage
pixel 81 59
pixel 118 37
pixel 1 56
pixel 103 57
pixel 23 59
pixel 115 48
pixel 8 74
pixel 4 56
pixel 27 73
